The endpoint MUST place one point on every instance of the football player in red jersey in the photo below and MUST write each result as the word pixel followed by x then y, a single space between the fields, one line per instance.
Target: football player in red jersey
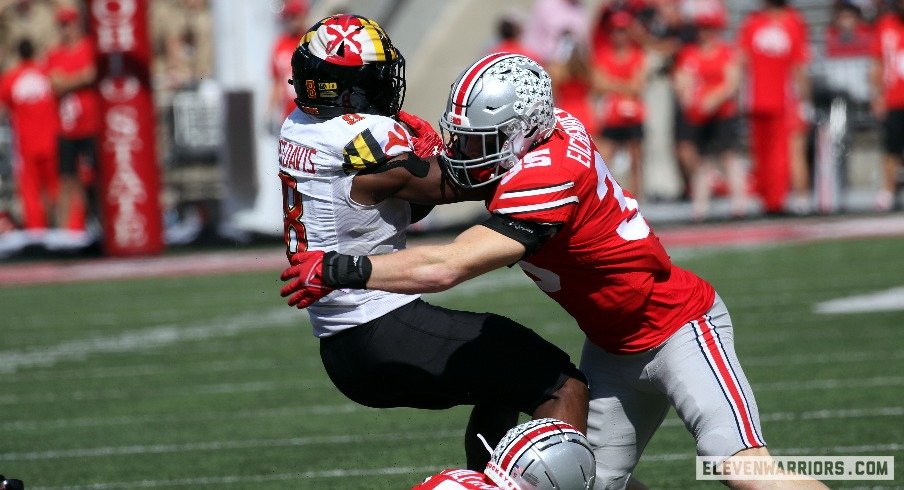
pixel 658 336
pixel 542 454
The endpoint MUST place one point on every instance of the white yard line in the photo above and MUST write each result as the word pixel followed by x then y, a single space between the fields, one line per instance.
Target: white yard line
pixel 263 386
pixel 108 451
pixel 148 338
pixel 422 471
pixel 887 300
pixel 225 480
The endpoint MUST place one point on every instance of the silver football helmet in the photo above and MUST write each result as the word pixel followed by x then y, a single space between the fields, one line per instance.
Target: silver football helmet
pixel 543 454
pixel 498 109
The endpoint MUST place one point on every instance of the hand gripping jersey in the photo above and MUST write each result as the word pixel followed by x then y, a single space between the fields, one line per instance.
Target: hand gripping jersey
pixel 604 266
pixel 318 158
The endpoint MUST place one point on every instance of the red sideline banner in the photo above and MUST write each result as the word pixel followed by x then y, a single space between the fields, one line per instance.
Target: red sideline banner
pixel 129 176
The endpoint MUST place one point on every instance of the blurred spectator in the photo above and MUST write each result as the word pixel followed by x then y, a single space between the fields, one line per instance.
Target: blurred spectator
pixel 509 30
pixel 282 95
pixel 73 73
pixel 707 77
pixel 774 50
pixel 186 30
pixel 848 35
pixel 26 19
pixel 888 99
pixel 572 81
pixel 25 92
pixel 549 21
pixel 848 53
pixel 619 77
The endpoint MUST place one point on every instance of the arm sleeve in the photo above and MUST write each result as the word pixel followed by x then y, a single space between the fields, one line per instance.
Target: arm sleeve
pixel 528 233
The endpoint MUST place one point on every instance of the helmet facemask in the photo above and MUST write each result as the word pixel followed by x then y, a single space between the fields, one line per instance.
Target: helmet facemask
pixel 498 110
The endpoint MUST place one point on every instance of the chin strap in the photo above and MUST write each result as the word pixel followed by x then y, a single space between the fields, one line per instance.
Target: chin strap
pixel 496 474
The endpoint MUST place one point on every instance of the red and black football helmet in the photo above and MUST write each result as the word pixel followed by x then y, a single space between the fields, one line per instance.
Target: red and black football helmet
pixel 347 64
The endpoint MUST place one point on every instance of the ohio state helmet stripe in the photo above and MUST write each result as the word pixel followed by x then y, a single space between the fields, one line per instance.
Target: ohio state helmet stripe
pixel 539 207
pixel 537 191
pixel 463 91
pixel 523 443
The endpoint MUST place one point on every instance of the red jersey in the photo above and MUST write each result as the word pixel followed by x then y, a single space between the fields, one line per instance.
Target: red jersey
pixel 281 69
pixel 80 109
pixel 454 479
pixel 605 266
pixel 707 70
pixel 26 91
pixel 618 109
pixel 888 46
pixel 774 44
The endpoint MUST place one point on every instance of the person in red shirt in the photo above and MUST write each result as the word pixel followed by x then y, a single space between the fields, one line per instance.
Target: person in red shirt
pixel 26 93
pixel 774 50
pixel 888 99
pixel 282 95
pixel 657 335
pixel 707 77
pixel 619 78
pixel 73 74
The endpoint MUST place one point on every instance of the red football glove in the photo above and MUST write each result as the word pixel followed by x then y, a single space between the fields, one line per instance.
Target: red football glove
pixel 427 143
pixel 306 279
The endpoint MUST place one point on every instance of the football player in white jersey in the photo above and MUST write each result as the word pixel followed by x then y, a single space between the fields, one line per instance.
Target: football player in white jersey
pixel 352 181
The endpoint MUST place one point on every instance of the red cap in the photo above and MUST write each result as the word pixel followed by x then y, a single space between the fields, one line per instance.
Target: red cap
pixel 293 8
pixel 66 15
pixel 621 20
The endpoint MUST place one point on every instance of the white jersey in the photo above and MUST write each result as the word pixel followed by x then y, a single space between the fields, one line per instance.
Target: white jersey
pixel 318 158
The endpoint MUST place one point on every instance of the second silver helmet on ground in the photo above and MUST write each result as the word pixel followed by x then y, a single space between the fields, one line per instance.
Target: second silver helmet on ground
pixel 543 454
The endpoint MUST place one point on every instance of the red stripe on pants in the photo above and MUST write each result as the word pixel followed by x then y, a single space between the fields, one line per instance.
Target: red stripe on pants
pixel 734 391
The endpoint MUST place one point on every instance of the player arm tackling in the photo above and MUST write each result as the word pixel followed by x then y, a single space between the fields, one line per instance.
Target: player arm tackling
pixel 499 241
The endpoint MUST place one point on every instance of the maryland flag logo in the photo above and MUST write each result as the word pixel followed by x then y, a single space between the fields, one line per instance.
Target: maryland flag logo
pixel 362 152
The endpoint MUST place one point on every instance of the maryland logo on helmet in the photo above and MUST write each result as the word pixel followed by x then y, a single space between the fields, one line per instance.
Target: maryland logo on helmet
pixel 346 64
pixel 349 40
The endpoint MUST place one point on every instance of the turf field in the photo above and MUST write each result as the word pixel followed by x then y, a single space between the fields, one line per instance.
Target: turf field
pixel 209 381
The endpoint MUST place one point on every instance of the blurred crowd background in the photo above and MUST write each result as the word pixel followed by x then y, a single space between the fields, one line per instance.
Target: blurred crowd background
pixel 704 109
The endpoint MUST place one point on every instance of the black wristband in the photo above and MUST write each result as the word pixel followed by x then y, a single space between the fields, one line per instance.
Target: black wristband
pixel 346 271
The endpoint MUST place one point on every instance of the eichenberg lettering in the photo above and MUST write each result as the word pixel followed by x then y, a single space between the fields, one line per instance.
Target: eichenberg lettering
pixel 580 148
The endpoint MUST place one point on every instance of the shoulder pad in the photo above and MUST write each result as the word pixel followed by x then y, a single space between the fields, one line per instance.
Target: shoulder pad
pixel 379 140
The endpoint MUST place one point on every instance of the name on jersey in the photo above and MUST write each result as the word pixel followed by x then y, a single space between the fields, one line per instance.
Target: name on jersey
pixel 293 156
pixel 580 148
